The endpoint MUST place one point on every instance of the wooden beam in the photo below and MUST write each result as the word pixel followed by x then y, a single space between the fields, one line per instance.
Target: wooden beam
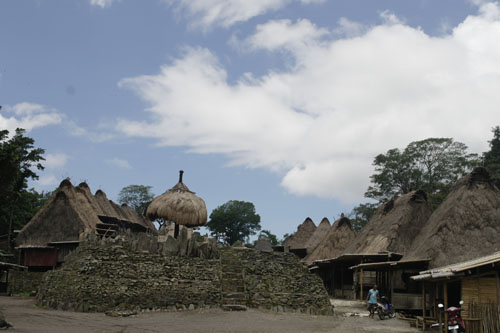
pixel 391 274
pixel 361 273
pixel 423 299
pixel 445 290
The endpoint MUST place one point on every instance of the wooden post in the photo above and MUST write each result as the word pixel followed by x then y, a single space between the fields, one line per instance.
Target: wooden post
pixel 498 285
pixel 423 299
pixel 361 274
pixel 342 280
pixel 333 281
pixel 445 306
pixel 391 274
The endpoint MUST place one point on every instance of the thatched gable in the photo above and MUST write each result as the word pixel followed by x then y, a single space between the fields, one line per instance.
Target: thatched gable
pixel 394 225
pixel 318 235
pixel 299 239
pixel 465 226
pixel 340 235
pixel 69 214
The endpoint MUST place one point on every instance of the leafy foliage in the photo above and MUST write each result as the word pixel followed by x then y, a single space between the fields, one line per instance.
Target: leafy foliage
pixel 138 197
pixel 361 214
pixel 269 235
pixel 491 158
pixel 19 160
pixel 431 165
pixel 234 221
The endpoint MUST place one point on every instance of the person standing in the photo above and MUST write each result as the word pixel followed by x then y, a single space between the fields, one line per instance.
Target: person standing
pixel 372 299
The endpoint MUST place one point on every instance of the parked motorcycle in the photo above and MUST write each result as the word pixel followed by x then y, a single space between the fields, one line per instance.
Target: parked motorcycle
pixel 384 309
pixel 455 322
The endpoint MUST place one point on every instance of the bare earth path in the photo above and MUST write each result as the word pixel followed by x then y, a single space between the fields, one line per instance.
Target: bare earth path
pixel 26 317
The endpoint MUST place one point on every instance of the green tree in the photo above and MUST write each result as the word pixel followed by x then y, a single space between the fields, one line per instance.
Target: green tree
pixel 138 197
pixel 431 165
pixel 361 214
pixel 19 160
pixel 234 221
pixel 491 158
pixel 269 235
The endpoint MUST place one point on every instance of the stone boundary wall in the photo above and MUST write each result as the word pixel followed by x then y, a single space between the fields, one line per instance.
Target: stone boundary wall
pixel 114 278
pixel 24 282
pixel 280 282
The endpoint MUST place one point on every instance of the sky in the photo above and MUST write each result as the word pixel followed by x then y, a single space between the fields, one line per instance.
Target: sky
pixel 283 103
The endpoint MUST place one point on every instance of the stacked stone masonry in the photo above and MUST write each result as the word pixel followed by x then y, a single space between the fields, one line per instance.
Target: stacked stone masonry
pixel 114 278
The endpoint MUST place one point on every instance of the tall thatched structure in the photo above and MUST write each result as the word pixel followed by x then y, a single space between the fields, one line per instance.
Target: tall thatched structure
pixel 394 225
pixel 179 205
pixel 318 235
pixel 299 239
pixel 340 236
pixel 72 212
pixel 465 226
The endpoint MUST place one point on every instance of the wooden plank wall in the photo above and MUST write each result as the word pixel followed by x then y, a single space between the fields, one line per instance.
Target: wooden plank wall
pixel 479 290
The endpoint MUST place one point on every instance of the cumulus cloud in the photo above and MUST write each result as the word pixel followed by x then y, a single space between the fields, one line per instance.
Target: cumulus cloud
pixel 225 13
pixel 321 122
pixel 55 161
pixel 28 116
pixel 103 3
pixel 119 163
pixel 47 180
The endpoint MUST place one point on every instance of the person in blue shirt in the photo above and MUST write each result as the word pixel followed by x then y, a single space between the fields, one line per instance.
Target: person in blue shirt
pixel 372 299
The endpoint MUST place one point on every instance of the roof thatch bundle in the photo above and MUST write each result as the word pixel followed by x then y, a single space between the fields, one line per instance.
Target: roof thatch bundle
pixel 318 235
pixel 465 226
pixel 179 205
pixel 69 214
pixel 299 239
pixel 340 236
pixel 394 225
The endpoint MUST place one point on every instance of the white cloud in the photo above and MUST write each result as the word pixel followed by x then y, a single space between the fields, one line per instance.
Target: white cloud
pixel 28 116
pixel 119 163
pixel 225 13
pixel 321 122
pixel 103 132
pixel 103 3
pixel 47 180
pixel 55 161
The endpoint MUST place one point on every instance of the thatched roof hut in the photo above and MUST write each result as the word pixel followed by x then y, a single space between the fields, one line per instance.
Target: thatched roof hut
pixel 465 226
pixel 340 236
pixel 179 205
pixel 394 225
pixel 318 235
pixel 299 239
pixel 71 213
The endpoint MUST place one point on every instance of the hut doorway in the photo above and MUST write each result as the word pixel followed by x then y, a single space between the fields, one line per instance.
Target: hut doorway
pixel 454 293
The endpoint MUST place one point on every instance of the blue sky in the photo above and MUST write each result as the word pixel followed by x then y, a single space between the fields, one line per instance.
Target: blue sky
pixel 283 103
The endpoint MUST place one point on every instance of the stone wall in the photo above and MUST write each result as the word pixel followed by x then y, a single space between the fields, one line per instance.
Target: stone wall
pixel 24 282
pixel 113 277
pixel 280 282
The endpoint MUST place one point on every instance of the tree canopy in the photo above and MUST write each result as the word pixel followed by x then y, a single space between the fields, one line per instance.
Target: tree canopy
pixel 361 214
pixel 138 197
pixel 19 160
pixel 491 158
pixel 234 221
pixel 431 165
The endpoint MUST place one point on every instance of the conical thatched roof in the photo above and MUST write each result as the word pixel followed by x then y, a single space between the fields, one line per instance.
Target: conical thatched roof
pixel 179 205
pixel 465 226
pixel 318 235
pixel 69 214
pixel 394 225
pixel 340 235
pixel 299 239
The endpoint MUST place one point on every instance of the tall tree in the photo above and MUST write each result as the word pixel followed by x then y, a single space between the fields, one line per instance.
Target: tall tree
pixel 491 158
pixel 234 221
pixel 138 197
pixel 361 214
pixel 19 160
pixel 431 165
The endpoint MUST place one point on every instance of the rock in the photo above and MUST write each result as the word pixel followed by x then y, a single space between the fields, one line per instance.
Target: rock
pixel 3 323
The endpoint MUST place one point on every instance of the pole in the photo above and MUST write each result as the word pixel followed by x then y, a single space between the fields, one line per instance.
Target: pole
pixel 446 305
pixel 423 299
pixel 361 274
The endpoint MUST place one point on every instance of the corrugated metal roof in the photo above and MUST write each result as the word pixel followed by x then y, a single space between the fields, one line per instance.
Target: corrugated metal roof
pixel 451 270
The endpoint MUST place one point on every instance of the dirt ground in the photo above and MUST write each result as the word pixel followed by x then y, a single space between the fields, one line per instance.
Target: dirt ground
pixel 22 313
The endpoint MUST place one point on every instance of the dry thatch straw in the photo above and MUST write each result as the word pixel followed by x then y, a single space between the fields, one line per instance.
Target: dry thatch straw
pixel 465 226
pixel 69 214
pixel 299 239
pixel 179 205
pixel 394 225
pixel 340 235
pixel 318 235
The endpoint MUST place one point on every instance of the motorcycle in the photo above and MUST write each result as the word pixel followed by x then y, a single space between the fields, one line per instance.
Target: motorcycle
pixel 455 322
pixel 384 309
